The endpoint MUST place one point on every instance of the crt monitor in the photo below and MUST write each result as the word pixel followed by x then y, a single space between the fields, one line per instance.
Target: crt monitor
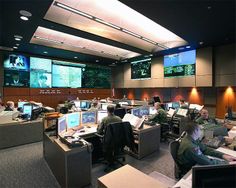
pixel 101 115
pixel 136 112
pixel 175 105
pixel 20 104
pixel 144 111
pixel 84 104
pixel 27 110
pixel 216 176
pixel 104 106
pixel 89 117
pixel 61 125
pixel 152 110
pixel 73 120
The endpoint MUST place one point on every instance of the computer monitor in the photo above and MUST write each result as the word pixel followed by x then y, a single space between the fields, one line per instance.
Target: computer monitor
pixel 89 117
pixel 168 105
pixel 136 112
pixel 101 115
pixel 104 106
pixel 20 104
pixel 73 120
pixel 152 110
pixel 175 105
pixel 144 111
pixel 85 104
pixel 216 176
pixel 77 104
pixel 61 125
pixel 182 112
pixel 27 110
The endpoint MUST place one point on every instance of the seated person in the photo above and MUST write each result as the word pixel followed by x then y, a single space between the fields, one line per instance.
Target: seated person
pixel 205 119
pixel 9 106
pixel 111 118
pixel 192 152
pixel 118 106
pixel 94 106
pixel 160 116
pixel 182 104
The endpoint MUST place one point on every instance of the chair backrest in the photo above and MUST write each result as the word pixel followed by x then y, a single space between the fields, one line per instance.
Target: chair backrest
pixel 118 135
pixel 120 112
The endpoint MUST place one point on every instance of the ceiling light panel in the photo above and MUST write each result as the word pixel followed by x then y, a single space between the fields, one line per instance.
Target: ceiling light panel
pixel 117 15
pixel 55 39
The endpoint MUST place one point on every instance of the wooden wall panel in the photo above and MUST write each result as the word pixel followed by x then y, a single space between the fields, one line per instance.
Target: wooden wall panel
pixel 9 91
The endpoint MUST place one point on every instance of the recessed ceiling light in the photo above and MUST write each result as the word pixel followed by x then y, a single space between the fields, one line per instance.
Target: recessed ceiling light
pixel 181 48
pixel 24 18
pixel 188 46
pixel 25 13
pixel 209 7
pixel 201 43
pixel 97 60
pixel 15 47
pixel 75 57
pixel 18 39
pixel 17 44
pixel 45 52
pixel 18 36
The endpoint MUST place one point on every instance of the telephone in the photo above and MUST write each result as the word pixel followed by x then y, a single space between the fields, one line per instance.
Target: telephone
pixel 72 141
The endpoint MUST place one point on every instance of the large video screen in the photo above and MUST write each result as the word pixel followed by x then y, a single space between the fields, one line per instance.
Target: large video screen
pixel 16 62
pixel 96 77
pixel 65 76
pixel 181 64
pixel 141 69
pixel 15 78
pixel 40 72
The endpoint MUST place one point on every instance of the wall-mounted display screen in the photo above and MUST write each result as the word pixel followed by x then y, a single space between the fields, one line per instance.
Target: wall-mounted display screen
pixel 181 64
pixel 65 76
pixel 40 80
pixel 15 78
pixel 40 64
pixel 16 62
pixel 141 69
pixel 96 77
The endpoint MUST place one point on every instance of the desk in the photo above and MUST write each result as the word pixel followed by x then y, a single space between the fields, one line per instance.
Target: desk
pixel 71 166
pixel 17 133
pixel 128 177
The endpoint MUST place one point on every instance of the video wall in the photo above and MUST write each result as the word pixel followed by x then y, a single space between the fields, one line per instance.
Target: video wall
pixel 141 69
pixel 181 64
pixel 34 72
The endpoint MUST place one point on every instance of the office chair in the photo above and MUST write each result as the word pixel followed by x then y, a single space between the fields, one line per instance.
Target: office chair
pixel 115 138
pixel 120 112
pixel 174 147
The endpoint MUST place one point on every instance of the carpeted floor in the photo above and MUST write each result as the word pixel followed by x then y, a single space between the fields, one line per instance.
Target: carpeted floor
pixel 25 167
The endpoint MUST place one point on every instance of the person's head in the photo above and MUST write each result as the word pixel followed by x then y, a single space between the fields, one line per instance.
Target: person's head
pixel 118 105
pixel 192 129
pixel 110 109
pixel 157 105
pixel 43 79
pixel 15 76
pixel 204 114
pixel 10 104
pixel 181 101
pixel 94 104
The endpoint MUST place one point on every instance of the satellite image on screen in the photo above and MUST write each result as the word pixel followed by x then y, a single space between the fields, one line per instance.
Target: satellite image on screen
pixel 96 77
pixel 181 64
pixel 141 69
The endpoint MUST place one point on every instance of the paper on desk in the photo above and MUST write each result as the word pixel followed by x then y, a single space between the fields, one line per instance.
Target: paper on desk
pixel 183 183
pixel 227 151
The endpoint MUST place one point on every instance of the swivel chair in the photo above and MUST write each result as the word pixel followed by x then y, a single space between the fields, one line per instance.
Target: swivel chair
pixel 174 147
pixel 115 138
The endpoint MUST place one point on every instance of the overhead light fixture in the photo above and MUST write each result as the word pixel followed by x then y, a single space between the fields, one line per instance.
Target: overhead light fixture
pixel 15 47
pixel 49 40
pixel 97 60
pixel 81 13
pixel 75 57
pixel 72 10
pixel 17 44
pixel 181 48
pixel 18 39
pixel 201 43
pixel 45 52
pixel 188 47
pixel 107 23
pixel 24 18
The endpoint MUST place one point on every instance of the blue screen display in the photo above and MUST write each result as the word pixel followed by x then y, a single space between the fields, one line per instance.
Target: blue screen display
pixel 20 104
pixel 175 105
pixel 144 111
pixel 88 117
pixel 61 124
pixel 16 62
pixel 73 120
pixel 27 109
pixel 181 64
pixel 136 112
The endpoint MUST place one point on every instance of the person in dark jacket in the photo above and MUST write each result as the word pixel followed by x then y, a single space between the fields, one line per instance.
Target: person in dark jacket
pixel 192 152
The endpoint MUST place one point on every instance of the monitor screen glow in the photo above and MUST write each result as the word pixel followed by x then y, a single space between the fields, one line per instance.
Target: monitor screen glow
pixel 27 109
pixel 61 125
pixel 73 120
pixel 89 117
pixel 101 115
